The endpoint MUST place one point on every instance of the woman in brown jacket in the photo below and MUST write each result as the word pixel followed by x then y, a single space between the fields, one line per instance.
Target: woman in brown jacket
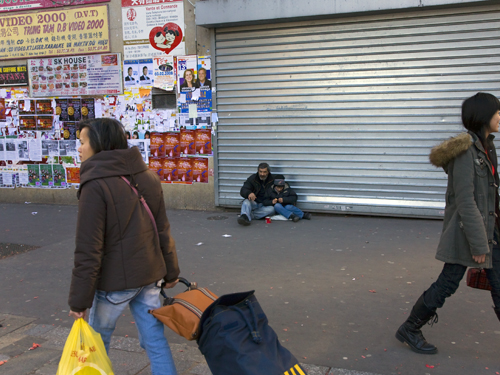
pixel 120 256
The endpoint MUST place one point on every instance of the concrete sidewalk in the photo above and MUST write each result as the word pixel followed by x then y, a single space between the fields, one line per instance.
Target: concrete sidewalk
pixel 335 289
pixel 19 334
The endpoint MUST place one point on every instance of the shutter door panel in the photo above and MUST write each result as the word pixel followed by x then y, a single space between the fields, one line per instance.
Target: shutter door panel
pixel 348 109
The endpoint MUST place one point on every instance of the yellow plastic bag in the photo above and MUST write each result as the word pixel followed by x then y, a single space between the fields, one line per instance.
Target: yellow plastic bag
pixel 84 352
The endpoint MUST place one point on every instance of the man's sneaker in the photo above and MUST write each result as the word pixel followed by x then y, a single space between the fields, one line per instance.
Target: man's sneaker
pixel 244 220
pixel 307 216
pixel 294 218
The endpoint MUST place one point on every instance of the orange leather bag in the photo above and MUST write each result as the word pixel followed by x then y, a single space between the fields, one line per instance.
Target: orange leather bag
pixel 182 313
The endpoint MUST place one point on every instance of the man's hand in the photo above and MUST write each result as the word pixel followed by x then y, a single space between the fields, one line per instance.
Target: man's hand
pixel 171 285
pixel 77 315
pixel 280 200
pixel 252 197
pixel 275 200
pixel 479 258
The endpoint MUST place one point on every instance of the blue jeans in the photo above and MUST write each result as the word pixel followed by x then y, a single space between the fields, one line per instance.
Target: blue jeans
pixel 288 210
pixel 451 275
pixel 255 210
pixel 108 307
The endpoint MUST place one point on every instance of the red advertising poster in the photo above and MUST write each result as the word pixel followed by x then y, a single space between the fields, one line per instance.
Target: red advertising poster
pixel 203 138
pixel 200 170
pixel 73 175
pixel 187 142
pixel 185 170
pixel 172 144
pixel 157 147
pixel 170 169
pixel 156 165
pixel 7 6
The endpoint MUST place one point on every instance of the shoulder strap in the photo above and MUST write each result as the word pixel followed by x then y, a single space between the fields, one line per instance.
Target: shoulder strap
pixel 143 201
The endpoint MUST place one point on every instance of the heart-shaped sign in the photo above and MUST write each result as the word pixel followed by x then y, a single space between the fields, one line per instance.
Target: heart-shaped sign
pixel 165 38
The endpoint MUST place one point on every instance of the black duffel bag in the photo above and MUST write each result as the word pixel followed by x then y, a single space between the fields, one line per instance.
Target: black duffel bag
pixel 236 339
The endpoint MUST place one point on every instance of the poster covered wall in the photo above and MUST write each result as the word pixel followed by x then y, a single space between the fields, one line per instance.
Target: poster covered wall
pixel 152 28
pixel 51 33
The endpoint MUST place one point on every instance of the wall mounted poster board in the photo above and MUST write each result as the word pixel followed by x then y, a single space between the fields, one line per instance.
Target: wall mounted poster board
pixel 76 75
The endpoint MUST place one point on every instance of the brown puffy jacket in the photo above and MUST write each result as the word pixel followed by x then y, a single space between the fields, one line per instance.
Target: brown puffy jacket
pixel 116 245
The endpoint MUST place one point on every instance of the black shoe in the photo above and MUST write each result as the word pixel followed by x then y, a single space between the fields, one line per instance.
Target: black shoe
pixel 410 332
pixel 244 220
pixel 307 216
pixel 294 218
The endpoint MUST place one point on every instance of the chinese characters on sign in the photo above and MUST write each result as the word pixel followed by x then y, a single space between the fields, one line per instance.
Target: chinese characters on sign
pixel 152 28
pixel 64 32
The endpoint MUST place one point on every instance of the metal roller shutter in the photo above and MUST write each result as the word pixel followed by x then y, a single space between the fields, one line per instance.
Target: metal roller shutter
pixel 348 109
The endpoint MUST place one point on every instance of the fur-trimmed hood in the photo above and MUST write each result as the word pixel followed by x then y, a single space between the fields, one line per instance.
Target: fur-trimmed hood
pixel 443 153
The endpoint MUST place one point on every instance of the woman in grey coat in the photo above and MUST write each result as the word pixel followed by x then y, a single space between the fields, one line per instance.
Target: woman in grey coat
pixel 470 230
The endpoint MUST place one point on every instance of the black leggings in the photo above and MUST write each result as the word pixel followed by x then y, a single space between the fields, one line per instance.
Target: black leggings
pixel 451 275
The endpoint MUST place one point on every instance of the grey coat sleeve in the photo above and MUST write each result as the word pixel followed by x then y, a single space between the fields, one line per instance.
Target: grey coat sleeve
pixel 463 185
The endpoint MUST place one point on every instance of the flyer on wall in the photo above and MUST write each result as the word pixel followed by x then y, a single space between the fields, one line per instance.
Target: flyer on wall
pixel 138 73
pixel 186 67
pixel 76 75
pixel 152 29
pixel 164 76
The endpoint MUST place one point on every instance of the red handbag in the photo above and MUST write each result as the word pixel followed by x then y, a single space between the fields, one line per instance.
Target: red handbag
pixel 476 278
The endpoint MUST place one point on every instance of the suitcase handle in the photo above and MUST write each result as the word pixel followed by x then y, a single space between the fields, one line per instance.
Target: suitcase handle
pixel 190 285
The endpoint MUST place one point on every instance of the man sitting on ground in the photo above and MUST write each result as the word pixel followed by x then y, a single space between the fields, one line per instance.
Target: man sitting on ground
pixel 254 191
pixel 284 198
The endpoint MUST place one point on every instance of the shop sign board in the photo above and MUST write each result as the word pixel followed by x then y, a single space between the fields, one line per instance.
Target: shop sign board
pixel 13 75
pixel 17 5
pixel 55 33
pixel 76 75
pixel 152 28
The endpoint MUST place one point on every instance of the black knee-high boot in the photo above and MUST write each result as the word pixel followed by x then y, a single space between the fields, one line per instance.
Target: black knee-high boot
pixel 410 332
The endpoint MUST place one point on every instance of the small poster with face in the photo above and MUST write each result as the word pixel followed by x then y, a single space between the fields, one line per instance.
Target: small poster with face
pixel 146 72
pixel 130 73
pixel 186 73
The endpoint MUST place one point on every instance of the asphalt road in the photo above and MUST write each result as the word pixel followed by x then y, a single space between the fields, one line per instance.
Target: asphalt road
pixel 335 288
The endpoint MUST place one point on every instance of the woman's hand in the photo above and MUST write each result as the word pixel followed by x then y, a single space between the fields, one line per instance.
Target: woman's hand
pixel 171 285
pixel 77 315
pixel 479 258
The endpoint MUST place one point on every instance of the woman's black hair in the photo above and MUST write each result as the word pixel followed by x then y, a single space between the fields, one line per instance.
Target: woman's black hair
pixel 104 134
pixel 477 112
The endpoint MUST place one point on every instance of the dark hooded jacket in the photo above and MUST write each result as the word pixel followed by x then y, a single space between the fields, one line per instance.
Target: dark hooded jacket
pixel 254 185
pixel 116 244
pixel 471 199
pixel 288 194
